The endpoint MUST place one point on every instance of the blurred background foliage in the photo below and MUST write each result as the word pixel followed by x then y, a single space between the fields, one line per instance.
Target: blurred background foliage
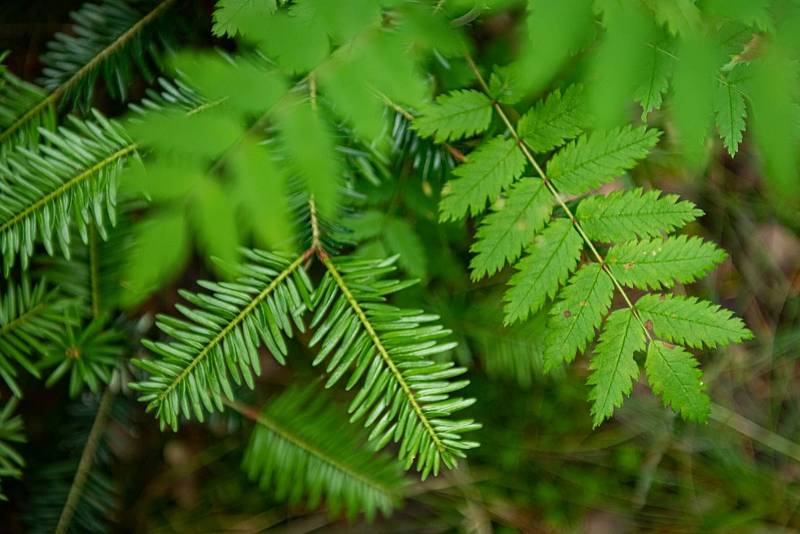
pixel 205 99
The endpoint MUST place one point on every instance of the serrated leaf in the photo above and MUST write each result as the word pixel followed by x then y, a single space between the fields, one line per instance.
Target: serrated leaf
pixel 595 159
pixel 232 16
pixel 679 16
pixel 626 215
pixel 579 310
pixel 488 170
pixel 691 322
pixel 650 93
pixel 553 256
pixel 655 263
pixel 553 121
pixel 673 374
pixel 455 115
pixel 613 367
pixel 730 111
pixel 513 223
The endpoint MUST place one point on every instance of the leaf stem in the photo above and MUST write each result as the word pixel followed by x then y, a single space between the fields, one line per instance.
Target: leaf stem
pixel 94 271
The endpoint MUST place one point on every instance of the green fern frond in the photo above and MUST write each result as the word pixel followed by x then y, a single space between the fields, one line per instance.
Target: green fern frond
pixel 16 98
pixel 620 218
pixel 661 262
pixel 626 215
pixel 404 393
pixel 672 373
pixel 690 321
pixel 613 367
pixel 105 39
pixel 553 121
pixel 514 222
pixel 11 433
pixel 88 354
pixel 219 338
pixel 489 169
pixel 595 159
pixel 579 311
pixel 30 319
pixel 455 115
pixel 72 180
pixel 302 446
pixel 550 260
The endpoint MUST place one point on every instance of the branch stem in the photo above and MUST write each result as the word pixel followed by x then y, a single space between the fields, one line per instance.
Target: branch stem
pixel 85 463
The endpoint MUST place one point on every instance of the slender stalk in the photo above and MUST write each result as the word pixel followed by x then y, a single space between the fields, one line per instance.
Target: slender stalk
pixel 101 418
pixel 85 463
pixel 756 432
pixel 94 271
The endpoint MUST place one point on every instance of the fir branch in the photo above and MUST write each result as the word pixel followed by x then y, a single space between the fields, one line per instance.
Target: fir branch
pixel 223 335
pixel 60 90
pixel 303 446
pixel 30 319
pixel 401 375
pixel 42 191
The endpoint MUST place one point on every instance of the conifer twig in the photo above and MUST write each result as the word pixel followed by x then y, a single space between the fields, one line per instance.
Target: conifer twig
pixel 56 94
